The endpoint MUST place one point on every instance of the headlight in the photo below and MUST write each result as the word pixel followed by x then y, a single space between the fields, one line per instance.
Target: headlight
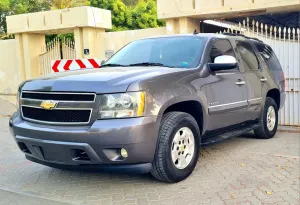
pixel 123 105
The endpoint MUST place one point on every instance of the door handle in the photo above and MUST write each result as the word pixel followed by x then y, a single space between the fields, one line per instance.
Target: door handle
pixel 239 82
pixel 263 79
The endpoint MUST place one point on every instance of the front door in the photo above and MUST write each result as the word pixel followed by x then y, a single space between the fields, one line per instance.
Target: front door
pixel 226 91
pixel 254 78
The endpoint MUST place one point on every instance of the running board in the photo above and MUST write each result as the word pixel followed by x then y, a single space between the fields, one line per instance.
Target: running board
pixel 227 135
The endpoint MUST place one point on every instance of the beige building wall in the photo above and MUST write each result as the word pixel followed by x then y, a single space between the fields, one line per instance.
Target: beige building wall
pixel 10 72
pixel 114 41
pixel 213 9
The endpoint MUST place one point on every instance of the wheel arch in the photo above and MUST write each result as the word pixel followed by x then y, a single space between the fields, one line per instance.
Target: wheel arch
pixel 275 94
pixel 191 106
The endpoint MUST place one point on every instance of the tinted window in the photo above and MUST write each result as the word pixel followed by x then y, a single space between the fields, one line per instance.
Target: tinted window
pixel 248 56
pixel 180 52
pixel 221 47
pixel 268 56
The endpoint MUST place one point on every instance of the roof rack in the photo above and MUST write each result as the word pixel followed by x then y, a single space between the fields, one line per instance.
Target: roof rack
pixel 238 34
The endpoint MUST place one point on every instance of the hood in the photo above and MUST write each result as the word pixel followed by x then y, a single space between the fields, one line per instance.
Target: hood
pixel 102 80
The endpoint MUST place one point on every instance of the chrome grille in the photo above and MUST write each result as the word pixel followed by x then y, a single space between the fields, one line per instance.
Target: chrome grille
pixel 82 97
pixel 70 108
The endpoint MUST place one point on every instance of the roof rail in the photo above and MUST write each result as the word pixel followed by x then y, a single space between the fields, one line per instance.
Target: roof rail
pixel 238 34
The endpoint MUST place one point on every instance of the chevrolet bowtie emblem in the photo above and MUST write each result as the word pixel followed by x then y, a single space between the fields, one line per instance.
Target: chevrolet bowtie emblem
pixel 48 104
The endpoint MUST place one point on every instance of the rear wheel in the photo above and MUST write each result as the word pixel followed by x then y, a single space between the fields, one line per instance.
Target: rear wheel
pixel 178 147
pixel 268 120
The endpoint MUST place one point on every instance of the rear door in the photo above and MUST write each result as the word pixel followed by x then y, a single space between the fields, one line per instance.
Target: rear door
pixel 254 78
pixel 226 90
pixel 272 69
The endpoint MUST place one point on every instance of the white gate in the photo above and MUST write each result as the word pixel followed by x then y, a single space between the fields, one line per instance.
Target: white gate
pixel 286 44
pixel 68 49
pixel 50 52
pixel 56 50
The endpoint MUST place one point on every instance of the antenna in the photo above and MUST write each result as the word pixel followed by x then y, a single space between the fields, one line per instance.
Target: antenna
pixel 195 32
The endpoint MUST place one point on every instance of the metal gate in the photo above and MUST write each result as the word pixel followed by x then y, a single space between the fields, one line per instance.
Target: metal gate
pixel 286 44
pixel 56 50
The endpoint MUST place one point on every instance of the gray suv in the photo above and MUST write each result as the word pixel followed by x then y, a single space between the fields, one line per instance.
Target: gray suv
pixel 151 106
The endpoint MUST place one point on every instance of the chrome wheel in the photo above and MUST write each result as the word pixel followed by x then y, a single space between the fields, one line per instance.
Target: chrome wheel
pixel 271 118
pixel 183 148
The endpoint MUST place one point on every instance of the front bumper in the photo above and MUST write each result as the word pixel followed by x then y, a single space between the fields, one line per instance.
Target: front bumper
pixel 122 168
pixel 60 146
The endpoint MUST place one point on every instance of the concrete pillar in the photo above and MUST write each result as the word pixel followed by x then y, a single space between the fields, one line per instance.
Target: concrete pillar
pixel 92 39
pixel 182 25
pixel 188 25
pixel 29 48
pixel 172 26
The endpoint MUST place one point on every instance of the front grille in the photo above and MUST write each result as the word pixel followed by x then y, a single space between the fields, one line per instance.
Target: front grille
pixel 69 108
pixel 83 97
pixel 56 116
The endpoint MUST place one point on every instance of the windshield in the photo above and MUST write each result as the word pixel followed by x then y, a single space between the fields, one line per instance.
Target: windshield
pixel 179 52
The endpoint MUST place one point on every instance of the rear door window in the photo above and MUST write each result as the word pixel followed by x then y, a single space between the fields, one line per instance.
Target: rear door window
pixel 248 56
pixel 267 54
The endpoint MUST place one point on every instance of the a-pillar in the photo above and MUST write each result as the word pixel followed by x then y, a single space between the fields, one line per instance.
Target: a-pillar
pixel 29 48
pixel 182 25
pixel 91 39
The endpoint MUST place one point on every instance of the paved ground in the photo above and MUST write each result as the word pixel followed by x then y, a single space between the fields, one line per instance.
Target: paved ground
pixel 244 171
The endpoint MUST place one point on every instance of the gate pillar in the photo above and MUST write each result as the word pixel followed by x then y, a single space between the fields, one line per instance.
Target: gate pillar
pixel 28 48
pixel 88 24
pixel 89 42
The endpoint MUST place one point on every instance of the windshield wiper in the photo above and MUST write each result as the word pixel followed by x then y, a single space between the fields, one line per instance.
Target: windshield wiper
pixel 150 64
pixel 112 65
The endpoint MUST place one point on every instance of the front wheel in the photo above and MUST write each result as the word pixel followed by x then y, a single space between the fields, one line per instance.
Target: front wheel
pixel 177 149
pixel 268 120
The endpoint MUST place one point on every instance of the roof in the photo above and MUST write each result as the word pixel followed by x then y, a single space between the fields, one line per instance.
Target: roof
pixel 207 35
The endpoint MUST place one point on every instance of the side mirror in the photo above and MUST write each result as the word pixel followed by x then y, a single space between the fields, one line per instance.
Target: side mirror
pixel 224 62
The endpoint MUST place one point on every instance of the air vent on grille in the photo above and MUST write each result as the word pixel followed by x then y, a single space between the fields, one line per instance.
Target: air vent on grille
pixel 59 96
pixel 56 116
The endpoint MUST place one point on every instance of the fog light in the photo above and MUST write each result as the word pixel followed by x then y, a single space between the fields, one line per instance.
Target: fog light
pixel 124 153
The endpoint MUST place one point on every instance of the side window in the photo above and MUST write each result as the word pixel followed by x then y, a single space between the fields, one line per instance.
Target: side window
pixel 268 55
pixel 248 56
pixel 221 47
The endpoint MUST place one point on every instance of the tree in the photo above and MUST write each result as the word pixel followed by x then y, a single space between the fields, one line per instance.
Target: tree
pixel 4 5
pixel 142 15
pixel 145 15
pixel 28 6
pixel 62 4
pixel 130 3
pixel 121 14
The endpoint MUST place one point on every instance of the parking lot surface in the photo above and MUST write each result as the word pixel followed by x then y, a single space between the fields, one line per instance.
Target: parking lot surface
pixel 243 170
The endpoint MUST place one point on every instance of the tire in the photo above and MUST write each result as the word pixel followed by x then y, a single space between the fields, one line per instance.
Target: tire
pixel 163 167
pixel 263 131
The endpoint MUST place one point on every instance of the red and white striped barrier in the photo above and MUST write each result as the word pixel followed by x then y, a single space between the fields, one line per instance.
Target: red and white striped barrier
pixel 76 64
